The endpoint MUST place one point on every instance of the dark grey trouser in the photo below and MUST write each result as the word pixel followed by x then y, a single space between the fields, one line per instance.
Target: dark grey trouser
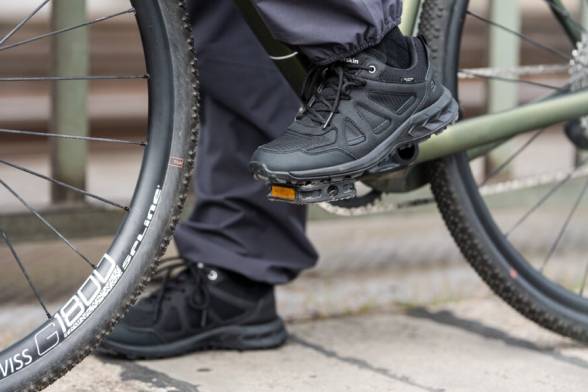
pixel 330 30
pixel 245 103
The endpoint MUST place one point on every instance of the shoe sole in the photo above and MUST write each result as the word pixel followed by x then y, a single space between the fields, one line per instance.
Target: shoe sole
pixel 418 128
pixel 237 338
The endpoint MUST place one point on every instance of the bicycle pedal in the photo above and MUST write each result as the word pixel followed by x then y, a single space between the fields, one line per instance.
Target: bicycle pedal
pixel 313 192
pixel 338 189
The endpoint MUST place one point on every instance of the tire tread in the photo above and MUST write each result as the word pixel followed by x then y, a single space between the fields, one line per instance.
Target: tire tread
pixel 436 17
pixel 76 357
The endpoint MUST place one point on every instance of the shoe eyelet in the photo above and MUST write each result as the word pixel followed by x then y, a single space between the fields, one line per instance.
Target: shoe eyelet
pixel 373 69
pixel 213 275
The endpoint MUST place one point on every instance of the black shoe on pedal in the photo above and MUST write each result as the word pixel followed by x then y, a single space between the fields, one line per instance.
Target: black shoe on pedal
pixel 198 308
pixel 364 115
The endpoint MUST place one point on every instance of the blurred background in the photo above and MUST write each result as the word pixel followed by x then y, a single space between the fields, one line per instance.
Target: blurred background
pixel 117 109
pixel 444 320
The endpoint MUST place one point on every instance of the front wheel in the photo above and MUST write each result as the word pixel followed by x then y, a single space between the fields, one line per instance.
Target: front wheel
pixel 527 244
pixel 166 151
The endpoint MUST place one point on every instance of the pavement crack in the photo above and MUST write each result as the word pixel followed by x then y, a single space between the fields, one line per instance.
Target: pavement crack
pixel 132 371
pixel 448 318
pixel 361 364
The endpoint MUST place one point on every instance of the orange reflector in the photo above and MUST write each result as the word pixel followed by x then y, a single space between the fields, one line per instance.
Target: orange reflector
pixel 283 192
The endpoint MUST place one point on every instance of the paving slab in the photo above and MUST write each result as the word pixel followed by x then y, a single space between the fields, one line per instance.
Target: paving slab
pixel 472 345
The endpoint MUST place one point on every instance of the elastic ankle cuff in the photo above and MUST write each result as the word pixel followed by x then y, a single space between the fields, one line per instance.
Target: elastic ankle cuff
pixel 328 55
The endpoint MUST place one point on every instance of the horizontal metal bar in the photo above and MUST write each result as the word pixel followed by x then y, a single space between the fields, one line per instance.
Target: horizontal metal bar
pixel 65 30
pixel 492 128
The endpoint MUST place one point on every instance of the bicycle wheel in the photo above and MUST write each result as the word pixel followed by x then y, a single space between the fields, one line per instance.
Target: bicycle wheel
pixel 165 152
pixel 527 244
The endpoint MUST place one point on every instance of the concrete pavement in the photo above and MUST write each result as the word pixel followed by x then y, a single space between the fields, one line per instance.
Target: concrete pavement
pixel 382 312
pixel 391 308
pixel 471 345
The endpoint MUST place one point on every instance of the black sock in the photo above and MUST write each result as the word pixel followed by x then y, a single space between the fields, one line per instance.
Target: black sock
pixel 397 49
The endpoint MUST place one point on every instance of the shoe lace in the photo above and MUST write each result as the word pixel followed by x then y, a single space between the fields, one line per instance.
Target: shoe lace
pixel 175 273
pixel 325 87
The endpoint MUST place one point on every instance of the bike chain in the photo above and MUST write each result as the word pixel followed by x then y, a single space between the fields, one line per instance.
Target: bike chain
pixel 383 205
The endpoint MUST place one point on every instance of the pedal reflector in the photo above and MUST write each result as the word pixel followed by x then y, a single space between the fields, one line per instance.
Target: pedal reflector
pixel 280 192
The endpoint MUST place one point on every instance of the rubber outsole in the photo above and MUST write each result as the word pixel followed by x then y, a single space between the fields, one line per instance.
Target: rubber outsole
pixel 232 338
pixel 417 129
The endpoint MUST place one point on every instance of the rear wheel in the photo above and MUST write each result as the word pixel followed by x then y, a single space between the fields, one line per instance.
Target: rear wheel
pixel 527 244
pixel 74 327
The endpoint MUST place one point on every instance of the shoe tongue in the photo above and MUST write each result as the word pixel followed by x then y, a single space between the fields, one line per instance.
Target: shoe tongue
pixel 329 93
pixel 352 60
pixel 176 282
pixel 372 53
pixel 366 57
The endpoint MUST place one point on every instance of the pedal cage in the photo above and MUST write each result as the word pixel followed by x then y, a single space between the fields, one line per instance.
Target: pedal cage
pixel 336 189
pixel 313 192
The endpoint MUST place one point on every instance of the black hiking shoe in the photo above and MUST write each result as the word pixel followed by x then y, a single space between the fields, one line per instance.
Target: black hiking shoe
pixel 198 308
pixel 362 116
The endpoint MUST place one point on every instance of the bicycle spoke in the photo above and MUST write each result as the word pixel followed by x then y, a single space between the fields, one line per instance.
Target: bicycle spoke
pixel 24 272
pixel 46 223
pixel 63 184
pixel 510 159
pixel 565 227
pixel 23 22
pixel 61 31
pixel 542 201
pixel 70 78
pixel 510 80
pixel 525 38
pixel 71 137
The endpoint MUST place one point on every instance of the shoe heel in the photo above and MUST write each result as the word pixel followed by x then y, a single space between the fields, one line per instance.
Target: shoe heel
pixel 438 123
pixel 260 337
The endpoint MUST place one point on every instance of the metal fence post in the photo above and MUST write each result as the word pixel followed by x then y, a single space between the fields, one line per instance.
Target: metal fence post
pixel 69 98
pixel 504 52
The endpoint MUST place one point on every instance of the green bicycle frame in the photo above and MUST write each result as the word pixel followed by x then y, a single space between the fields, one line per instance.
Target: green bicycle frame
pixel 468 134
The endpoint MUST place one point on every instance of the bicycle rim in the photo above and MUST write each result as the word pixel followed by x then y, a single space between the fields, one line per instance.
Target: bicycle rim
pixel 73 327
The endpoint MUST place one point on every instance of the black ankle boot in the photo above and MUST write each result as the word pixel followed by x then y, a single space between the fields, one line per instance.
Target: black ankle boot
pixel 199 308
